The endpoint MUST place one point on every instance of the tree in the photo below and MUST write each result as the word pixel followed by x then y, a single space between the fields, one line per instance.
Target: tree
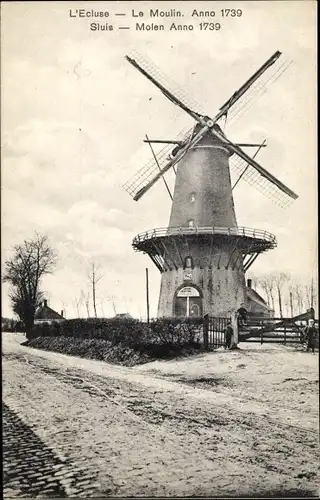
pixel 24 271
pixel 279 280
pixel 87 305
pixel 294 293
pixel 311 293
pixel 102 308
pixel 267 284
pixel 292 296
pixel 76 306
pixel 255 282
pixel 94 276
pixel 298 296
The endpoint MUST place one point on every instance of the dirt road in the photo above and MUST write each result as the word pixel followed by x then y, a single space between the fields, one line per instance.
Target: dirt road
pixel 226 423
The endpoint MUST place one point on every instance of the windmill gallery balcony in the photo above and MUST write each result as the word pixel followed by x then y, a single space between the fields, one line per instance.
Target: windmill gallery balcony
pixel 163 245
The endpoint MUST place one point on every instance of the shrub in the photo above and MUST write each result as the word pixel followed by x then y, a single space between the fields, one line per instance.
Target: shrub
pixel 127 332
pixel 176 331
pixel 46 330
pixel 106 351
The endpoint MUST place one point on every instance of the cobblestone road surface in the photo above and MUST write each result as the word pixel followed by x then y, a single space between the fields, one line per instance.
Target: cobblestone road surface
pixel 75 427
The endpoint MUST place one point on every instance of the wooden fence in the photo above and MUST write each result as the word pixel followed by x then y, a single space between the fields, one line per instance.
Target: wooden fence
pixel 261 330
pixel 276 330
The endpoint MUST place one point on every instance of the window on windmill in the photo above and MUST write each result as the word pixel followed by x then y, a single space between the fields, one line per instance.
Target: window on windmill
pixel 188 262
pixel 191 223
pixel 192 197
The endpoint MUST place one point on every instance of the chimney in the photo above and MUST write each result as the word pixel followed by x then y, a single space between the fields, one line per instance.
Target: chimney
pixel 249 283
pixel 61 313
pixel 45 303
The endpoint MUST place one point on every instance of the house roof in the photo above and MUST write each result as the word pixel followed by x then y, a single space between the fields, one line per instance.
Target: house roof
pixel 44 312
pixel 253 295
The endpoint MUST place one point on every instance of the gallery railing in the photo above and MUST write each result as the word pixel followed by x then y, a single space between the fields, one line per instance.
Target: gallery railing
pixel 227 231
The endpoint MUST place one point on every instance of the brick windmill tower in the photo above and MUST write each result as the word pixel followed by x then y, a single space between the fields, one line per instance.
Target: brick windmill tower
pixel 203 255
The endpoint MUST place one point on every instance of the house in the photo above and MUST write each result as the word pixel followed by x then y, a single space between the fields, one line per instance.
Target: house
pixel 255 304
pixel 7 324
pixel 45 314
pixel 123 316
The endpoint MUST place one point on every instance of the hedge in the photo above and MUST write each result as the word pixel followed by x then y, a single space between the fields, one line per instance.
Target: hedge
pixel 128 332
pixel 105 351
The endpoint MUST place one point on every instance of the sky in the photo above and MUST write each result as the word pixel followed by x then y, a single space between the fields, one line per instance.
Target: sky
pixel 75 112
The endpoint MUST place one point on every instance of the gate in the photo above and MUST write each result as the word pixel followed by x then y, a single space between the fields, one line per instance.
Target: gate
pixel 214 331
pixel 275 330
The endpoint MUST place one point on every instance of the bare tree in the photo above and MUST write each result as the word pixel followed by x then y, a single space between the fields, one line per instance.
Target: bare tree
pixel 267 284
pixel 255 282
pixel 102 308
pixel 113 305
pixel 64 309
pixel 292 297
pixel 314 296
pixel 30 262
pixel 279 280
pixel 94 276
pixel 311 293
pixel 291 303
pixel 265 289
pixel 271 288
pixel 77 302
pixel 287 308
pixel 298 302
pixel 303 294
pixel 87 304
pixel 292 293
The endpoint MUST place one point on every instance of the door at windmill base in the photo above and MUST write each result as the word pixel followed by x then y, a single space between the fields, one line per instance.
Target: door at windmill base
pixel 188 302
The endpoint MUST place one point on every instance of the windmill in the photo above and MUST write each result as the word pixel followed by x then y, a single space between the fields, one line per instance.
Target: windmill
pixel 203 255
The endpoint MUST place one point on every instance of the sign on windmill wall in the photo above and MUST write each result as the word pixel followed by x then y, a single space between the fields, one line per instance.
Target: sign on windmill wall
pixel 188 291
pixel 187 275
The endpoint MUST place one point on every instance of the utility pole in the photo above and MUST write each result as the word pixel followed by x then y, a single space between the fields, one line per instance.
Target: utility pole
pixel 147 294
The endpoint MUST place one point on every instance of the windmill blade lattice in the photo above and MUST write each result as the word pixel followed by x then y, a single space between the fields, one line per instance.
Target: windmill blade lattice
pixel 255 179
pixel 241 106
pixel 166 81
pixel 258 88
pixel 151 169
pixel 234 108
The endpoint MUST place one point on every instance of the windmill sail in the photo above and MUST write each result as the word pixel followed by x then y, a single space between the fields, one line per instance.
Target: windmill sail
pixel 252 162
pixel 173 160
pixel 148 66
pixel 238 103
pixel 147 173
pixel 255 179
pixel 259 88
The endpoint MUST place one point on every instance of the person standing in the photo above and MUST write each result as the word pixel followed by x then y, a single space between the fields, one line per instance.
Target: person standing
pixel 228 336
pixel 242 315
pixel 310 334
